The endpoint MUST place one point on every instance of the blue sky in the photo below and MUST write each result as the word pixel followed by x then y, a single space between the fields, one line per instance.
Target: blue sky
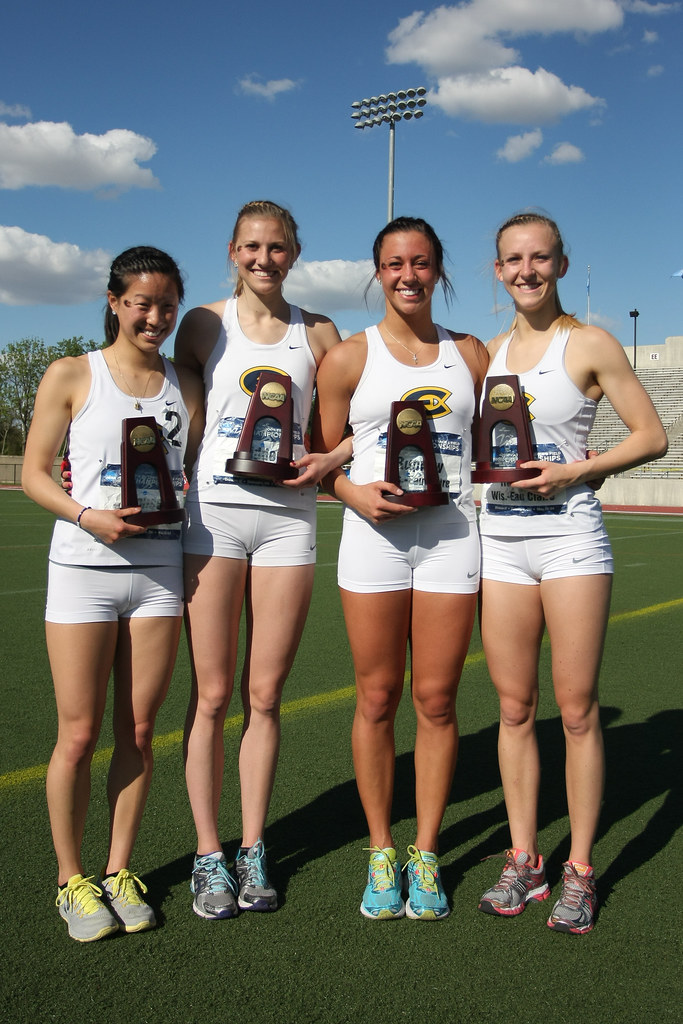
pixel 144 123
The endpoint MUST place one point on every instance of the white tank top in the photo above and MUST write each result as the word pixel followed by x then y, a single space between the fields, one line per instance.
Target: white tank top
pixel 230 376
pixel 446 388
pixel 95 454
pixel 561 419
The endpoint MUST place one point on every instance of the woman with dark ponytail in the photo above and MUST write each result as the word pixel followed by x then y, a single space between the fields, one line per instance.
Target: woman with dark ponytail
pixel 114 599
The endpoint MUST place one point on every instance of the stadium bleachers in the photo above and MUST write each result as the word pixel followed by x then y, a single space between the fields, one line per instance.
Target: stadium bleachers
pixel 665 388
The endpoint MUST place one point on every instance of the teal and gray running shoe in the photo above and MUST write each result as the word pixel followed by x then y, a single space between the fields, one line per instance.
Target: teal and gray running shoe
pixel 426 898
pixel 382 899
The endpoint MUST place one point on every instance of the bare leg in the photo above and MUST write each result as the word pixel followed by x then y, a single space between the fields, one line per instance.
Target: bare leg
pixel 145 657
pixel 512 628
pixel 378 626
pixel 214 591
pixel 576 611
pixel 81 656
pixel 277 603
pixel 440 635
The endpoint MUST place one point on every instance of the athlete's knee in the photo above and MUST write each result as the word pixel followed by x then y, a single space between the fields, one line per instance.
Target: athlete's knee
pixel 517 714
pixel 435 708
pixel 76 744
pixel 581 718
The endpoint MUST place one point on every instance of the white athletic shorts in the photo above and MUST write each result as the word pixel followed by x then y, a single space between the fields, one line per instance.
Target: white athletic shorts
pixel 529 560
pixel 409 553
pixel 86 593
pixel 264 535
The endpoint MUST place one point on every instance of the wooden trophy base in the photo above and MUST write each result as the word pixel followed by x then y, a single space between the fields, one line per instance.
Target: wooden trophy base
pixel 418 499
pixel 486 474
pixel 242 464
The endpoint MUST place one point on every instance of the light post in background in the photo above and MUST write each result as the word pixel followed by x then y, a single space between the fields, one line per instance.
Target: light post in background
pixel 635 314
pixel 388 108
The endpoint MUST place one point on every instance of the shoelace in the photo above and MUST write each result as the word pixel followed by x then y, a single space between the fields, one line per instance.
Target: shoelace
pixel 382 871
pixel 125 887
pixel 254 865
pixel 216 874
pixel 576 889
pixel 426 873
pixel 82 896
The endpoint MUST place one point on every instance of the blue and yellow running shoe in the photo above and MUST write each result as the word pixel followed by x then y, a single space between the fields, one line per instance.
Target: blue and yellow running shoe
pixel 426 898
pixel 382 899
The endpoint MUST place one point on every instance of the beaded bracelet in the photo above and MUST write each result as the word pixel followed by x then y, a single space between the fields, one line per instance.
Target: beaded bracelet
pixel 80 514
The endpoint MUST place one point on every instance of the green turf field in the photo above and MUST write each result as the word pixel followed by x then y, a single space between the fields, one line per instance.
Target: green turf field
pixel 317 959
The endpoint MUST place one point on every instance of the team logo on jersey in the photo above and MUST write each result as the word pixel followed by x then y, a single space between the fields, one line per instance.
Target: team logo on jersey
pixel 434 398
pixel 249 378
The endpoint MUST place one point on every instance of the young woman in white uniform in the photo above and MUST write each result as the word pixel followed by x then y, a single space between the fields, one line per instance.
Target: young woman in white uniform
pixel 407 577
pixel 115 588
pixel 546 560
pixel 248 543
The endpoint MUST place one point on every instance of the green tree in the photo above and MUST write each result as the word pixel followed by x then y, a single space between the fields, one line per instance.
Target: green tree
pixel 22 365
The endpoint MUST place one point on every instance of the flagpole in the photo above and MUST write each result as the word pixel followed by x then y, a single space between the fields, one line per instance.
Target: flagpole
pixel 588 296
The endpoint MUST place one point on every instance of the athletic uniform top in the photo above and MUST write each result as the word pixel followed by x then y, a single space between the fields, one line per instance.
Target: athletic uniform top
pixel 95 454
pixel 230 376
pixel 561 419
pixel 447 390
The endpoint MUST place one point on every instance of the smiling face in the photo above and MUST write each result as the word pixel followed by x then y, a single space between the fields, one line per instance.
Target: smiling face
pixel 529 265
pixel 147 310
pixel 261 254
pixel 408 271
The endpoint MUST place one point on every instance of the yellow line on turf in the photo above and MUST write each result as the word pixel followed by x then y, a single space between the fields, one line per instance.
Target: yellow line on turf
pixel 316 702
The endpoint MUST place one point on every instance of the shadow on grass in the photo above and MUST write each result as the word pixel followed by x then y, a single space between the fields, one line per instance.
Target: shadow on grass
pixel 644 762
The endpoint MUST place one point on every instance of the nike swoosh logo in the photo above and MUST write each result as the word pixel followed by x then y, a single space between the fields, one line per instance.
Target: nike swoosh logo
pixel 471 575
pixel 582 559
pixel 448 366
pixel 296 346
pixel 171 403
pixel 545 371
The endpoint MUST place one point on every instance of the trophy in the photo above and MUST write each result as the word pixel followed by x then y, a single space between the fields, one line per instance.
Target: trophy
pixel 410 461
pixel 504 411
pixel 264 448
pixel 145 477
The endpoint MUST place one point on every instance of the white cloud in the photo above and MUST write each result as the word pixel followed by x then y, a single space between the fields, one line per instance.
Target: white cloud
pixel 50 153
pixel 482 77
pixel 519 147
pixel 14 111
pixel 511 96
pixel 266 90
pixel 650 37
pixel 330 284
pixel 458 40
pixel 565 153
pixel 35 271
pixel 655 71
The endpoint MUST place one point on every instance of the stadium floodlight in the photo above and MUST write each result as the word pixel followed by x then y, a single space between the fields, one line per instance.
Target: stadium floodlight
pixel 388 108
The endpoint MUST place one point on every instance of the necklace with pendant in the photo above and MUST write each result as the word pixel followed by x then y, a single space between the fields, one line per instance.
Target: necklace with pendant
pixel 137 402
pixel 405 347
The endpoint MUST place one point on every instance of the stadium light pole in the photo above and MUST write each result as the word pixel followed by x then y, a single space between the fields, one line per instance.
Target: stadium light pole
pixel 389 108
pixel 635 314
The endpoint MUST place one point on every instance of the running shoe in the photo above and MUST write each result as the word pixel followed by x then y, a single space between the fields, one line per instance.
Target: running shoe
pixel 575 910
pixel 123 893
pixel 382 898
pixel 81 907
pixel 519 883
pixel 214 888
pixel 426 898
pixel 255 891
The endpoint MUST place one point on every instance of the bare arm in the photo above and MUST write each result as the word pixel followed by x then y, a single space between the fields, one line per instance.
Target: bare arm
pixel 192 388
pixel 337 380
pixel 196 336
pixel 58 396
pixel 598 365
